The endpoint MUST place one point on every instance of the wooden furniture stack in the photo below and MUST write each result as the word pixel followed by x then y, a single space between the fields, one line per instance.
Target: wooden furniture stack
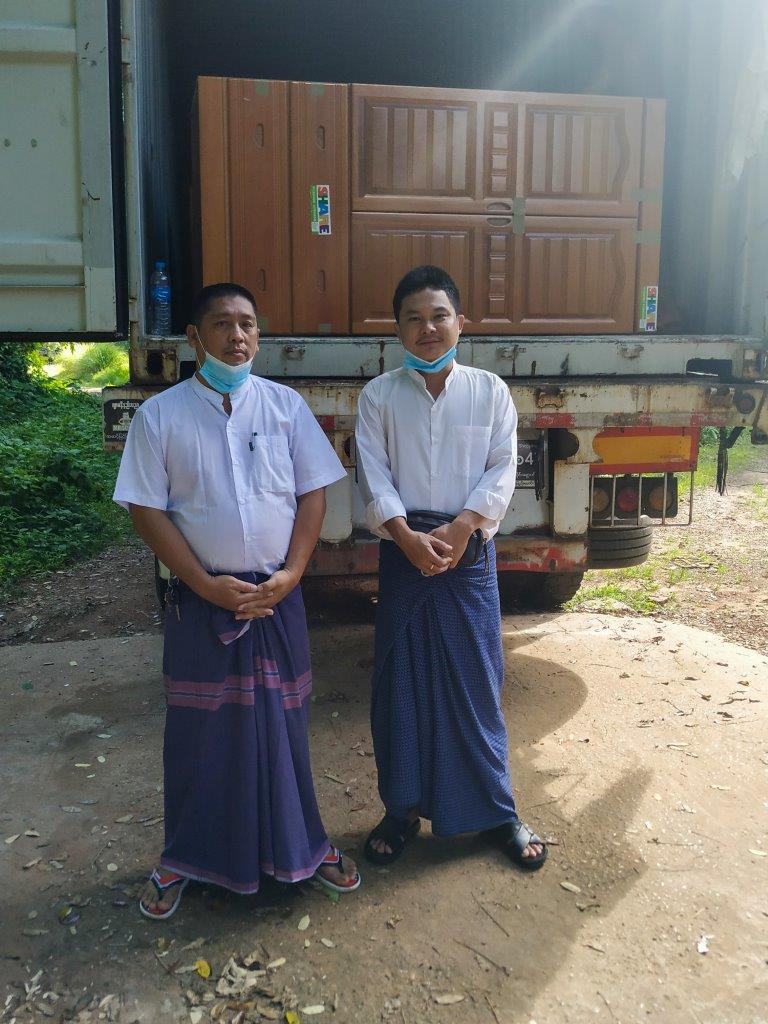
pixel 546 209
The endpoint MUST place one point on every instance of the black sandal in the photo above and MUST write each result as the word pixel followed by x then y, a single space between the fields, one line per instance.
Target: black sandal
pixel 395 834
pixel 513 837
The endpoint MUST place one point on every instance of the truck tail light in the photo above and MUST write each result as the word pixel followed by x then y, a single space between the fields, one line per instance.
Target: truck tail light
pixel 619 499
pixel 626 498
pixel 657 494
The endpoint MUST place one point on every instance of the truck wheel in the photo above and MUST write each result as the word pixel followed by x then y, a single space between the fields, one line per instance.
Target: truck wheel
pixel 618 547
pixel 544 591
pixel 161 585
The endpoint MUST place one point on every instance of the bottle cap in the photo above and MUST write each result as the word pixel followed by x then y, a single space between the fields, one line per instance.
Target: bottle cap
pixel 160 265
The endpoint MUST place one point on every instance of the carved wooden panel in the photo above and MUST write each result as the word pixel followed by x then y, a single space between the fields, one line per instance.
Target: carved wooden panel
pixel 385 246
pixel 582 155
pixel 575 275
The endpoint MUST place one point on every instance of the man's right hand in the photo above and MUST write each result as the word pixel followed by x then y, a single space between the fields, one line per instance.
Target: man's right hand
pixel 428 553
pixel 228 592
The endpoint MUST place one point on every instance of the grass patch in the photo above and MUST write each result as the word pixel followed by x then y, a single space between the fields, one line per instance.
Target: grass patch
pixel 92 365
pixel 614 594
pixel 56 481
pixel 757 501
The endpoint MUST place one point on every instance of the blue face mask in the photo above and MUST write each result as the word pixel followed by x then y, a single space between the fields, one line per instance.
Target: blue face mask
pixel 221 376
pixel 412 362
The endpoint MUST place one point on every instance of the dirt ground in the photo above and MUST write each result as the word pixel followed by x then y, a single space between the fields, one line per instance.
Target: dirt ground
pixel 638 749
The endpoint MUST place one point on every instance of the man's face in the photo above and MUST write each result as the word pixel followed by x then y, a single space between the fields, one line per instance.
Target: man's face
pixel 228 330
pixel 429 325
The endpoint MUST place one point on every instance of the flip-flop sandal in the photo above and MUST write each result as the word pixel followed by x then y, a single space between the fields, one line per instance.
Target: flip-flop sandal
pixel 395 834
pixel 335 859
pixel 162 883
pixel 514 836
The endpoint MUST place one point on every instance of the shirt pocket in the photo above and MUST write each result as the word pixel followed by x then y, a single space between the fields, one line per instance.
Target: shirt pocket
pixel 469 450
pixel 272 464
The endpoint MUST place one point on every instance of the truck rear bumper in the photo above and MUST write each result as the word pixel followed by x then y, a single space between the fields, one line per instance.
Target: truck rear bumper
pixel 530 553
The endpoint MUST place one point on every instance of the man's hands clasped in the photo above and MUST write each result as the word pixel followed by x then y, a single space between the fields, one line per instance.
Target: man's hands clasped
pixel 429 553
pixel 251 600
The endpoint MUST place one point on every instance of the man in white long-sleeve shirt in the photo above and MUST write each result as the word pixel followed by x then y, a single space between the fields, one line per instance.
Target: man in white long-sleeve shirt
pixel 437 456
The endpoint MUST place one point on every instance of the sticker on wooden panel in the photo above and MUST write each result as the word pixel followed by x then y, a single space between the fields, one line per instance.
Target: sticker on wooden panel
pixel 320 209
pixel 649 303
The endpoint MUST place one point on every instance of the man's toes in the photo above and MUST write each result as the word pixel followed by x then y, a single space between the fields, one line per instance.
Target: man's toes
pixel 532 850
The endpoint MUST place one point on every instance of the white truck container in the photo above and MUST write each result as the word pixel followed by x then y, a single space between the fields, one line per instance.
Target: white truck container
pixel 95 185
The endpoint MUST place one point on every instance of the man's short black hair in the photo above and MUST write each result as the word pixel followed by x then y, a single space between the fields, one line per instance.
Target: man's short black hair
pixel 418 279
pixel 211 292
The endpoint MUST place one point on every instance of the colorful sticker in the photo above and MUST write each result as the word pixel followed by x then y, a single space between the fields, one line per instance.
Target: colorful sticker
pixel 649 302
pixel 320 209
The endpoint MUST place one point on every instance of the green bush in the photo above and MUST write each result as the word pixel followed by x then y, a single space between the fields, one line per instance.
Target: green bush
pixel 56 480
pixel 14 361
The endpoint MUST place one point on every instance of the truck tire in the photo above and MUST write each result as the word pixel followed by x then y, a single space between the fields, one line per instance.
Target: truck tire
pixel 543 591
pixel 619 547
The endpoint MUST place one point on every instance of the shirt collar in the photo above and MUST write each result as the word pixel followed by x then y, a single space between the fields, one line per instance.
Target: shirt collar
pixel 215 398
pixel 418 378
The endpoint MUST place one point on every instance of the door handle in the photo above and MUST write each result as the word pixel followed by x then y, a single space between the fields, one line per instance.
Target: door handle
pixel 500 222
pixel 498 204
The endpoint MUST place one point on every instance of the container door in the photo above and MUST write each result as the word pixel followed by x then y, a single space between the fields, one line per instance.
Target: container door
pixel 59 266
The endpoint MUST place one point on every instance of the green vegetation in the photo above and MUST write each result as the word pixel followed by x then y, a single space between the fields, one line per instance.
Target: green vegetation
pixel 55 479
pixel 91 365
pixel 757 501
pixel 611 591
pixel 743 456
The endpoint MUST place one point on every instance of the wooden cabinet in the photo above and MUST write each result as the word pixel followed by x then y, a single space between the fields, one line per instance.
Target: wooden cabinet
pixel 546 209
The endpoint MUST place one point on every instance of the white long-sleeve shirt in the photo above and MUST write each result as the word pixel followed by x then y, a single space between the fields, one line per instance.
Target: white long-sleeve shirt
pixel 446 454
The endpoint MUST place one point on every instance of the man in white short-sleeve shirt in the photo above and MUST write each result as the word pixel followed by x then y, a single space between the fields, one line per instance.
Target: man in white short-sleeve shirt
pixel 224 476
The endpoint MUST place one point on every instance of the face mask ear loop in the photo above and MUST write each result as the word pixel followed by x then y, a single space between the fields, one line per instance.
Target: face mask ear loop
pixel 198 364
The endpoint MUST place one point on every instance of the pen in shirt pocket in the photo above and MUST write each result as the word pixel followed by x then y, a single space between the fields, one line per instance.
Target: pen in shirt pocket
pixel 250 443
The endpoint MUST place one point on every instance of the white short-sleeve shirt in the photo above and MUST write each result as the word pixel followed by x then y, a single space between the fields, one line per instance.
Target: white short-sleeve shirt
pixel 228 482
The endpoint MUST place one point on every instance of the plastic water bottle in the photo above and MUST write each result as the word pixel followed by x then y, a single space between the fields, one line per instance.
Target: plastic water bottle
pixel 160 301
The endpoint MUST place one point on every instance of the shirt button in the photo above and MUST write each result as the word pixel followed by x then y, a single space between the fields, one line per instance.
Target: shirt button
pixel 241 501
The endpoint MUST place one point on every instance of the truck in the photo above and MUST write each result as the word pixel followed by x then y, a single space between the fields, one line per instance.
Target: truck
pixel 528 147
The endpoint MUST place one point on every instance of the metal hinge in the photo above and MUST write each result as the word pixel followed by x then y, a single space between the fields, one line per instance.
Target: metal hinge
pixel 126 50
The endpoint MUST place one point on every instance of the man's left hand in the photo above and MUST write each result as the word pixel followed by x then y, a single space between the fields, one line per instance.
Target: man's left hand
pixel 267 595
pixel 456 534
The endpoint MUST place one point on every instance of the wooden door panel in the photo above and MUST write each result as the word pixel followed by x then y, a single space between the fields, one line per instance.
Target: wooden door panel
pixel 387 246
pixel 575 275
pixel 478 253
pixel 244 199
pixel 320 157
pixel 582 155
pixel 414 149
